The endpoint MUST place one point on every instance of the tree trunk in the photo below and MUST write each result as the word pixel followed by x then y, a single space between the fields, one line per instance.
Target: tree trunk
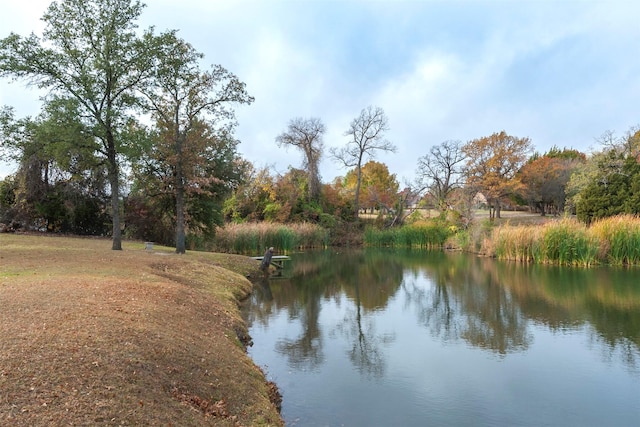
pixel 314 181
pixel 114 182
pixel 357 201
pixel 180 233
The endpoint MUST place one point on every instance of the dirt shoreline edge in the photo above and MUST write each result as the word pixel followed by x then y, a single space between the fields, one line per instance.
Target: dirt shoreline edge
pixel 275 397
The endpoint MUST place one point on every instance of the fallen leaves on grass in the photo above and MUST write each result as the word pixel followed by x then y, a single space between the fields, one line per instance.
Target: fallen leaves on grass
pixel 92 336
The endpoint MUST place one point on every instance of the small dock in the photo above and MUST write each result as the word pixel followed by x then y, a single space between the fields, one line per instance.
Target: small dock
pixel 277 260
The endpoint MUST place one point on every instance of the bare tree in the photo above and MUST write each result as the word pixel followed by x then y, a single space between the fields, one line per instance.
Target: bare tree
pixel 367 136
pixel 440 171
pixel 306 134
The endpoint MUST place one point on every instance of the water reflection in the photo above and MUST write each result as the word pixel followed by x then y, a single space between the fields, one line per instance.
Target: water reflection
pixel 467 302
pixel 390 315
pixel 486 303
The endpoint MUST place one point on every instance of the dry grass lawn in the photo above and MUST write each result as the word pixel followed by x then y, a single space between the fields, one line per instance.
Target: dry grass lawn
pixel 91 336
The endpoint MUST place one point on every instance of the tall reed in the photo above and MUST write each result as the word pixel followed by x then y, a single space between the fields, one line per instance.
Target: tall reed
pixel 253 238
pixel 619 239
pixel 420 235
pixel 614 240
pixel 516 243
pixel 564 242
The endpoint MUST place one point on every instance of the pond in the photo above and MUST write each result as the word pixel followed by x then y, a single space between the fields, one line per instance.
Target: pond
pixel 417 338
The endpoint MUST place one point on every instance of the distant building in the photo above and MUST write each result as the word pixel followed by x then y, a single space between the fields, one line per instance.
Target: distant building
pixel 479 201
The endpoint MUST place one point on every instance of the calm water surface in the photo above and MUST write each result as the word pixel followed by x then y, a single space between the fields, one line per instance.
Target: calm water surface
pixel 412 338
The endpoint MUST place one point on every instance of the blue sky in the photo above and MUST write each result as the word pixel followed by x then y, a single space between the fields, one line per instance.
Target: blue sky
pixel 559 72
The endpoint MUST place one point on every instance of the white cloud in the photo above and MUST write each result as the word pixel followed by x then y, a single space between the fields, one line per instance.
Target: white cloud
pixel 558 72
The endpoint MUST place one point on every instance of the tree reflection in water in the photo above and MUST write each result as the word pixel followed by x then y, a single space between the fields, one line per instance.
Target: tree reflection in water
pixel 486 303
pixel 466 303
pixel 360 331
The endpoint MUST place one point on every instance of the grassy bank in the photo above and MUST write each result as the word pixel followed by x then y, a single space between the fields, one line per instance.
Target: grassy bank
pixel 253 238
pixel 92 336
pixel 614 240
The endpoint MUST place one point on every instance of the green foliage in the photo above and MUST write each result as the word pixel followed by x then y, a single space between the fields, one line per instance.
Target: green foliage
pixel 102 69
pixel 614 188
pixel 59 185
pixel 327 221
pixel 379 238
pixel 272 211
pixel 619 238
pixel 251 196
pixel 462 239
pixel 7 198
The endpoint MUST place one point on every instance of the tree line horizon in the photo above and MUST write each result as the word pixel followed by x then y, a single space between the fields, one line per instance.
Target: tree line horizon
pixel 88 163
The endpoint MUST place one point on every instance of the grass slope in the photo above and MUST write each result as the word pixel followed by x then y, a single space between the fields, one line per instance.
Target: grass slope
pixel 91 336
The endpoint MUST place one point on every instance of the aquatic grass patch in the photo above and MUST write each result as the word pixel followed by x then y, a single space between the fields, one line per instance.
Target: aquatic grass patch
pixel 310 235
pixel 519 243
pixel 564 242
pixel 560 242
pixel 253 238
pixel 614 240
pixel 619 238
pixel 379 238
pixel 419 235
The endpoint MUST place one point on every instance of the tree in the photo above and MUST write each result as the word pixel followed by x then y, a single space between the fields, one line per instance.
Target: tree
pixel 306 135
pixel 581 178
pixel 193 114
pixel 7 201
pixel 613 185
pixel 492 164
pixel 336 203
pixel 613 192
pixel 609 181
pixel 58 186
pixel 289 204
pixel 379 188
pixel 366 133
pixel 629 144
pixel 440 171
pixel 545 179
pixel 90 51
pixel 151 204
pixel 250 199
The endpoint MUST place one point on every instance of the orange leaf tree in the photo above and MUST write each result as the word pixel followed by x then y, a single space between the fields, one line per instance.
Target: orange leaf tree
pixel 379 188
pixel 545 179
pixel 492 166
